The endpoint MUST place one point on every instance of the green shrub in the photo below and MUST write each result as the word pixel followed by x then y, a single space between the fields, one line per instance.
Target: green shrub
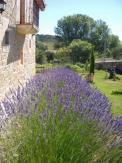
pixel 50 56
pixel 75 68
pixel 117 53
pixel 80 65
pixel 117 92
pixel 40 52
pixel 80 51
pixel 40 57
pixel 87 66
pixel 63 54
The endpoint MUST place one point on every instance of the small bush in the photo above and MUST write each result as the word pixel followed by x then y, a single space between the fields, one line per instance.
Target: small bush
pixel 80 65
pixel 117 92
pixel 117 52
pixel 40 52
pixel 40 57
pixel 50 56
pixel 63 54
pixel 80 51
pixel 75 68
pixel 87 66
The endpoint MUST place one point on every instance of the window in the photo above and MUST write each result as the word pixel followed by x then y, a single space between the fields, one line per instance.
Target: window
pixel 7 38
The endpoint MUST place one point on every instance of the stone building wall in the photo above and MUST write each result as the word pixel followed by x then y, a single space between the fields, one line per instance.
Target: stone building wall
pixel 17 59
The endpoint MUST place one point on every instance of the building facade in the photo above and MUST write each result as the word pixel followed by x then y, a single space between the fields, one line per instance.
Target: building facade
pixel 19 23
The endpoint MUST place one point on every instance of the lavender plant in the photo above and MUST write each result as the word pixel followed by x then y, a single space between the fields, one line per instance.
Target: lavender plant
pixel 59 117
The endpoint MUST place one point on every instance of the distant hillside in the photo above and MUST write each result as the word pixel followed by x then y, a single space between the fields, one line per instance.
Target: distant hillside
pixel 48 40
pixel 45 38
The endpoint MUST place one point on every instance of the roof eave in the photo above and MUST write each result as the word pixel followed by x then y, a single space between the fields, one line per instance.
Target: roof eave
pixel 40 4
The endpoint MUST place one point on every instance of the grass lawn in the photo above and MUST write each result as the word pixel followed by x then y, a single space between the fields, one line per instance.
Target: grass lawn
pixel 42 67
pixel 107 86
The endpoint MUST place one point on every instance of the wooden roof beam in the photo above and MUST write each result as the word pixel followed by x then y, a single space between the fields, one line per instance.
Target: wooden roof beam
pixel 40 4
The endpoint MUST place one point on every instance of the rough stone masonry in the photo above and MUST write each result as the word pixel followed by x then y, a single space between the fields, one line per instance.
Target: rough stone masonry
pixel 17 52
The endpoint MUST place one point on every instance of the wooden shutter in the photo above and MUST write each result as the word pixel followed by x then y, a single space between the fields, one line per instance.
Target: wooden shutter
pixel 22 11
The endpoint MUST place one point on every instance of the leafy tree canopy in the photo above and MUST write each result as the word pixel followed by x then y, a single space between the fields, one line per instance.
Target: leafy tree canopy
pixel 113 41
pixel 117 53
pixel 85 28
pixel 99 35
pixel 74 27
pixel 63 54
pixel 50 56
pixel 80 51
pixel 40 52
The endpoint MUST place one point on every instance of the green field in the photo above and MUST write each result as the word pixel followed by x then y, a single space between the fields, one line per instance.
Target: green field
pixel 107 86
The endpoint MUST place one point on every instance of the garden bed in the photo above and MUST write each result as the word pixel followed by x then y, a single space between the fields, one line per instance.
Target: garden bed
pixel 59 117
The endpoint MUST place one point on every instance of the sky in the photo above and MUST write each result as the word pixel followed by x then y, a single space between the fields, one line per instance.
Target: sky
pixel 109 11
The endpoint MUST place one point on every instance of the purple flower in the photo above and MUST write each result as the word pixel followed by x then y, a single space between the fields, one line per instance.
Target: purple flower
pixel 64 89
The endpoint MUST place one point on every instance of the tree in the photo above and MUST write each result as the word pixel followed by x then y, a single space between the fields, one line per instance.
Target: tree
pixel 50 56
pixel 92 62
pixel 40 56
pixel 117 52
pixel 113 41
pixel 41 46
pixel 40 52
pixel 99 36
pixel 85 28
pixel 80 51
pixel 63 54
pixel 74 27
pixel 58 44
